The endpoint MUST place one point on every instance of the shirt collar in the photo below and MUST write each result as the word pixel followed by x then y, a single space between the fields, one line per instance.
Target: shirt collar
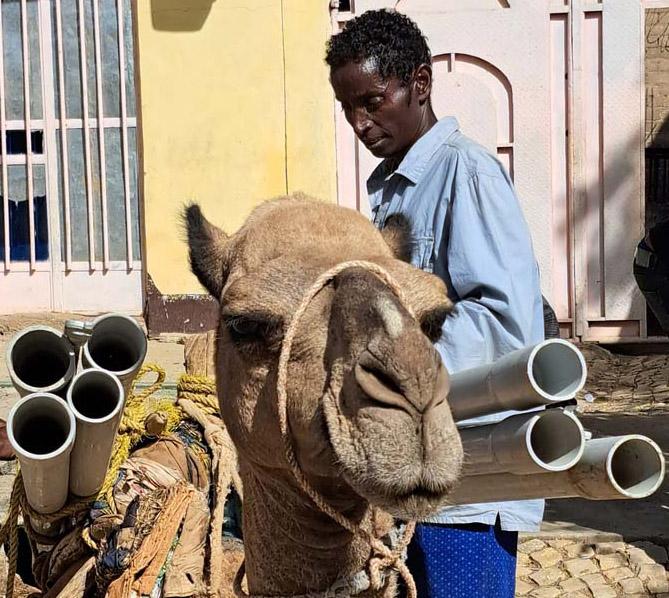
pixel 416 159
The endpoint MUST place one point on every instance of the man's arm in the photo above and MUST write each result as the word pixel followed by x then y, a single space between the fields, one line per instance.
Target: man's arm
pixel 492 269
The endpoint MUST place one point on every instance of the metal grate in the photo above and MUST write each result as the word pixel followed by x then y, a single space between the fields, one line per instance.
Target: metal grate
pixel 67 135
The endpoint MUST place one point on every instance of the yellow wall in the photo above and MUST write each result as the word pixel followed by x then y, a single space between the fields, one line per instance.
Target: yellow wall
pixel 222 122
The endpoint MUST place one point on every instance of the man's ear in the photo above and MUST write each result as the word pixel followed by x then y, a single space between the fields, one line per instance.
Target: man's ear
pixel 207 250
pixel 397 234
pixel 422 81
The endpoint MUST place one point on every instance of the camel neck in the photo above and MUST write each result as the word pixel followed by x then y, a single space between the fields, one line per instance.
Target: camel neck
pixel 287 538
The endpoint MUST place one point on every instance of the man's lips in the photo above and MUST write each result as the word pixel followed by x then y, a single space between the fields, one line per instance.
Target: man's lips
pixel 372 142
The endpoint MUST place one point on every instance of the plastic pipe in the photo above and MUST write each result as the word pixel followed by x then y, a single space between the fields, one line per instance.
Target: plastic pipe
pixel 40 359
pixel 550 372
pixel 619 467
pixel 551 440
pixel 116 344
pixel 41 430
pixel 96 399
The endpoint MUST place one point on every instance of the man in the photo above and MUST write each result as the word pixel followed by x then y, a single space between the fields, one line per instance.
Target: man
pixel 469 230
pixel 651 270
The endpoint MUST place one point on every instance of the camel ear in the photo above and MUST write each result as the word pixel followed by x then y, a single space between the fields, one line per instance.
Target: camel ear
pixel 397 234
pixel 207 250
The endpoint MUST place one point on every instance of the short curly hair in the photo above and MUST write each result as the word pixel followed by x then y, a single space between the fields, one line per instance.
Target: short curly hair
pixel 389 38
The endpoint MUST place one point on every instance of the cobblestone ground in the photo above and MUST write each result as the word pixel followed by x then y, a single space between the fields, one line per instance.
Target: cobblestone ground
pixel 626 395
pixel 565 568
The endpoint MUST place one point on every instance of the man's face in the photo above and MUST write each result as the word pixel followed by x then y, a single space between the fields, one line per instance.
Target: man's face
pixel 386 115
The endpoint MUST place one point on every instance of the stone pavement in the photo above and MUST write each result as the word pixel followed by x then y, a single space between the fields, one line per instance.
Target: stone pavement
pixel 579 568
pixel 626 552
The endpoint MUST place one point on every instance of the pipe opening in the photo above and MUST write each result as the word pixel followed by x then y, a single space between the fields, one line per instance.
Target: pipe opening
pixel 637 467
pixel 558 370
pixel 117 344
pixel 95 394
pixel 557 440
pixel 40 358
pixel 41 425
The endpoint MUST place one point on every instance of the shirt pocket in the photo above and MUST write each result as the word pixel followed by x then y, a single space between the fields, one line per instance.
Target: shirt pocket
pixel 422 253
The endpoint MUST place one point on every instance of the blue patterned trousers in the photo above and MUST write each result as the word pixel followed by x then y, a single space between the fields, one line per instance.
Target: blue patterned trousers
pixel 463 561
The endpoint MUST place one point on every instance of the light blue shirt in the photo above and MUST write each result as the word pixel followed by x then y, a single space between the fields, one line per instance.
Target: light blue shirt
pixel 468 228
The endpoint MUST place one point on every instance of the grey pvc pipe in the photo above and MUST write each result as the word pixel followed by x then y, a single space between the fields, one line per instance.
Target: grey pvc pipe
pixel 96 399
pixel 41 430
pixel 551 440
pixel 614 468
pixel 549 372
pixel 117 344
pixel 40 359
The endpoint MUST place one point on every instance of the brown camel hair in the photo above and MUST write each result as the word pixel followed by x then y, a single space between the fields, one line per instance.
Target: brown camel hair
pixel 366 390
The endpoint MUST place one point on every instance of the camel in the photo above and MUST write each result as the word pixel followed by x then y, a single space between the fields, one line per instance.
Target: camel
pixel 366 390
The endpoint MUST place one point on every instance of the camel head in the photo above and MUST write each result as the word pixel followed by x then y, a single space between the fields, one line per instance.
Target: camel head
pixel 367 392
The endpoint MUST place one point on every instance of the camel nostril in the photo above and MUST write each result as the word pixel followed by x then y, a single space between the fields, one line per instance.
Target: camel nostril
pixel 379 386
pixel 442 386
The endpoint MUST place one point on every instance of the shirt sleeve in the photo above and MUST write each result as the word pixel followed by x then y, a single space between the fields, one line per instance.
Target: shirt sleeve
pixel 493 272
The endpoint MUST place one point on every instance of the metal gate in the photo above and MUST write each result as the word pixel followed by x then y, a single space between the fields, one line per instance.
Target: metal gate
pixel 555 89
pixel 69 223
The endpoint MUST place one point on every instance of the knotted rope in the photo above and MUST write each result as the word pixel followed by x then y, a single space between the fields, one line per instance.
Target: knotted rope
pixel 382 557
pixel 200 395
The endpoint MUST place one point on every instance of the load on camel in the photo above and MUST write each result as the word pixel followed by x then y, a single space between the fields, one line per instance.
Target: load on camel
pixel 343 428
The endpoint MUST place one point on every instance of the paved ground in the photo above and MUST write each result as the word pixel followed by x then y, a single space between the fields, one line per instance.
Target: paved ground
pixel 608 548
pixel 585 549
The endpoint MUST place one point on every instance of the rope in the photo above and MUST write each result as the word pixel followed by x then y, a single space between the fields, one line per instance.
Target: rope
pixel 200 391
pixel 382 557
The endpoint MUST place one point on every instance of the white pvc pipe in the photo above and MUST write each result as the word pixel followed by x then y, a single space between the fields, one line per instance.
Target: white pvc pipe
pixel 550 372
pixel 96 399
pixel 551 440
pixel 619 467
pixel 41 430
pixel 118 345
pixel 40 359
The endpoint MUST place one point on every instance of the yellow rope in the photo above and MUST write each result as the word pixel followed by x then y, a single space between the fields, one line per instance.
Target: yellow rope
pixel 198 389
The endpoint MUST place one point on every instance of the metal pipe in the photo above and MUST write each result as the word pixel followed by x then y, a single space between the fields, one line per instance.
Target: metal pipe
pixel 614 468
pixel 65 171
pixel 86 135
pixel 550 372
pixel 28 130
pixel 40 359
pixel 3 152
pixel 101 136
pixel 124 134
pixel 96 399
pixel 117 344
pixel 41 430
pixel 551 440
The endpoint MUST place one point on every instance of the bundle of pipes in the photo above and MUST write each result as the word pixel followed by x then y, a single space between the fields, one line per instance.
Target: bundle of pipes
pixel 503 459
pixel 63 427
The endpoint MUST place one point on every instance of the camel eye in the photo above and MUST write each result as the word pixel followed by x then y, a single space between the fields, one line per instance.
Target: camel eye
pixel 245 329
pixel 432 322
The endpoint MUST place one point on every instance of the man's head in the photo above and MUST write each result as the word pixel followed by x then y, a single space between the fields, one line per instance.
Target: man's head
pixel 380 70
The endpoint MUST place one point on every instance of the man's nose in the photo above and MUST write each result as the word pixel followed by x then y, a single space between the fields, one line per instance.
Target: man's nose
pixel 360 122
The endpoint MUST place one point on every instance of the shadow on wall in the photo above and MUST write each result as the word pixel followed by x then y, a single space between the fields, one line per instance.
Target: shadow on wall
pixel 179 15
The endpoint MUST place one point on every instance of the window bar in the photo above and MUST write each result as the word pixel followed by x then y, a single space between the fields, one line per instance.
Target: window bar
pixel 65 172
pixel 87 136
pixel 28 125
pixel 101 137
pixel 124 133
pixel 3 149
